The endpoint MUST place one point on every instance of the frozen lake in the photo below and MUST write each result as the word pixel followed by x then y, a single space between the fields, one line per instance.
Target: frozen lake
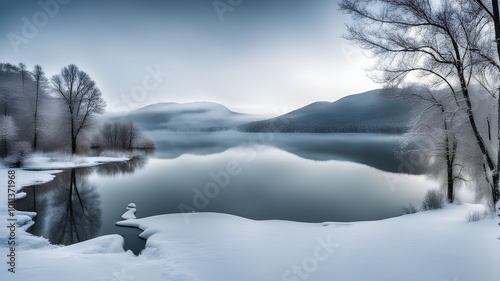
pixel 298 177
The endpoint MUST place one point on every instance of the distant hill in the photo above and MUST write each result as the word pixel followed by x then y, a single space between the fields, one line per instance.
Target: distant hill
pixel 365 112
pixel 193 116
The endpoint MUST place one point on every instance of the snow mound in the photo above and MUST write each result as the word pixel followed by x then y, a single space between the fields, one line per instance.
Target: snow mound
pixel 20 195
pixel 130 213
pixel 431 245
pixel 107 244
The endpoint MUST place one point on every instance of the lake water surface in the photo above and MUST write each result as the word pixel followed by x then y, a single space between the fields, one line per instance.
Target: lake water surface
pixel 298 177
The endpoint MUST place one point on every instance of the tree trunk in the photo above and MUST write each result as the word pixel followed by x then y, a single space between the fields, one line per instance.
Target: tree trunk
pixel 73 145
pixel 5 139
pixel 73 137
pixel 449 159
pixel 449 172
pixel 35 118
pixel 496 174
pixel 475 129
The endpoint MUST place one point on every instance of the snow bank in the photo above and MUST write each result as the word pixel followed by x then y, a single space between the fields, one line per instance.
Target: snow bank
pixel 24 219
pixel 45 162
pixel 27 178
pixel 33 246
pixel 437 245
pixel 46 167
pixel 433 245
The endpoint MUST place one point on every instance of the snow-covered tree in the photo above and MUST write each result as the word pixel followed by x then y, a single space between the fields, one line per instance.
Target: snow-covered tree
pixel 18 154
pixel 9 89
pixel 121 136
pixel 8 133
pixel 82 99
pixel 24 76
pixel 39 94
pixel 488 50
pixel 432 41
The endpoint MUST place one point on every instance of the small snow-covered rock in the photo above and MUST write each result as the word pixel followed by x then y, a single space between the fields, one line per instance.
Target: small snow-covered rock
pixel 20 195
pixel 130 214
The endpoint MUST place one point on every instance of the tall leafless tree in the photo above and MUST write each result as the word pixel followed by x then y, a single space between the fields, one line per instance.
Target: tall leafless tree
pixel 489 50
pixel 8 133
pixel 81 97
pixel 40 85
pixel 24 75
pixel 425 39
pixel 434 125
pixel 8 88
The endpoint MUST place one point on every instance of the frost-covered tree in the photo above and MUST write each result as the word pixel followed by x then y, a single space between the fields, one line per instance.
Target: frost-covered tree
pixel 432 41
pixel 25 97
pixel 39 92
pixel 436 127
pixel 8 133
pixel 9 88
pixel 121 136
pixel 24 75
pixel 82 99
pixel 488 50
pixel 18 154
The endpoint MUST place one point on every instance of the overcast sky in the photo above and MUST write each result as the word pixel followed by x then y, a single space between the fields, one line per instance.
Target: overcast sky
pixel 267 56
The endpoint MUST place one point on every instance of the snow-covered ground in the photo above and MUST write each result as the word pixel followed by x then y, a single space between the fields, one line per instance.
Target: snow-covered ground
pixel 47 162
pixel 434 245
pixel 49 165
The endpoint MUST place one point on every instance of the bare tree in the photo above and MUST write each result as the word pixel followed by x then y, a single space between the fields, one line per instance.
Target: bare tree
pixel 122 136
pixel 488 51
pixel 24 75
pixel 32 109
pixel 80 95
pixel 424 39
pixel 434 125
pixel 9 88
pixel 8 133
pixel 40 86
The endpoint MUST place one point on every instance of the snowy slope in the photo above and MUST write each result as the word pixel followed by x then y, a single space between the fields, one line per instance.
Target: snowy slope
pixel 365 112
pixel 433 245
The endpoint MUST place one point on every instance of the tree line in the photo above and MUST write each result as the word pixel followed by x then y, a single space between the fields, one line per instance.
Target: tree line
pixel 298 126
pixel 56 114
pixel 446 56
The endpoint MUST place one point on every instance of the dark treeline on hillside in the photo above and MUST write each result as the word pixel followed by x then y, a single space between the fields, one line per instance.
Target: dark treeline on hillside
pixel 316 127
pixel 56 114
pixel 369 112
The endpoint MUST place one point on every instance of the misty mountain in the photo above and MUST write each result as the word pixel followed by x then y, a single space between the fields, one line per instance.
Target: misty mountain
pixel 365 112
pixel 193 116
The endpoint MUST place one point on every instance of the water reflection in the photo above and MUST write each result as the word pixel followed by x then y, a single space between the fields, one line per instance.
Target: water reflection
pixel 380 151
pixel 122 168
pixel 69 208
pixel 76 210
pixel 274 183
